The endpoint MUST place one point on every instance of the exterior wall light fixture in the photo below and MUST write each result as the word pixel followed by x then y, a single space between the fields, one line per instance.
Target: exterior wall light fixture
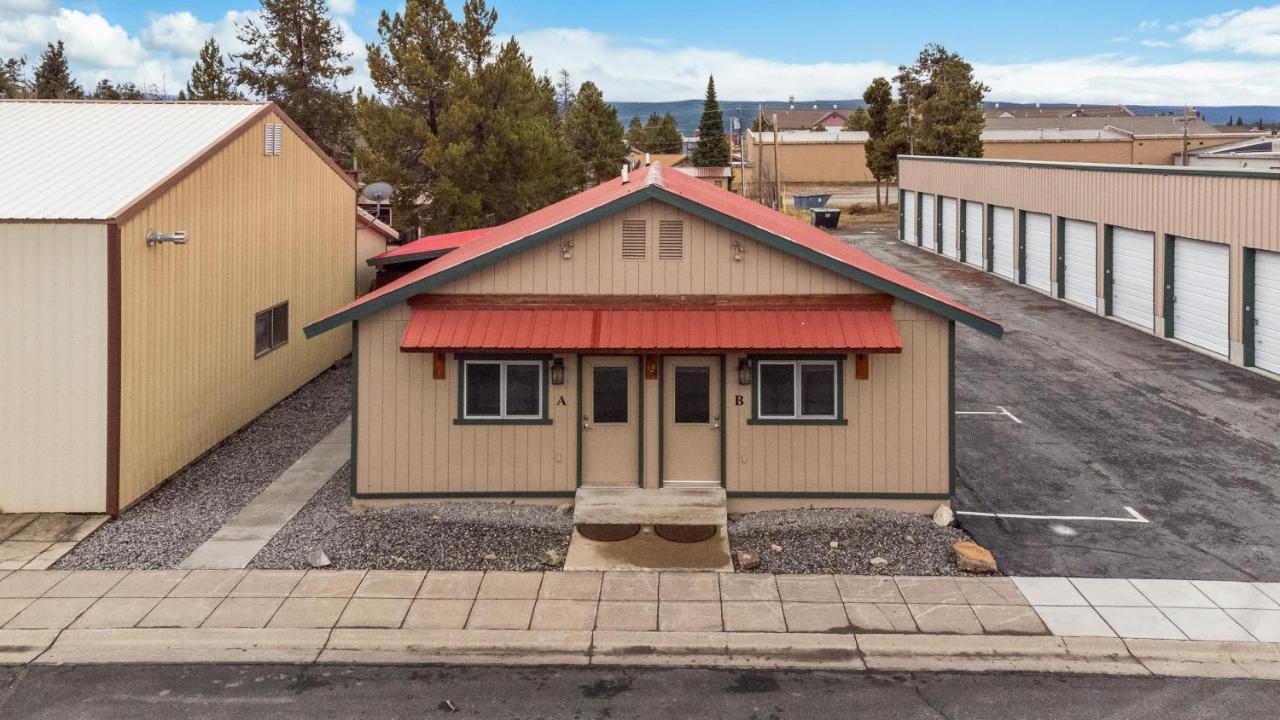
pixel 178 237
pixel 557 371
pixel 744 371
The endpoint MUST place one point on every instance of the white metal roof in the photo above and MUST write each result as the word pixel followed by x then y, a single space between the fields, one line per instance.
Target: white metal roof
pixel 791 137
pixel 89 160
pixel 1052 134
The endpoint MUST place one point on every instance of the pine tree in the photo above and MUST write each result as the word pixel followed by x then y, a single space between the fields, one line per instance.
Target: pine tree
pixel 947 102
pixel 594 133
pixel 210 78
pixel 713 148
pixel 53 79
pixel 295 59
pixel 475 34
pixel 887 138
pixel 13 78
pixel 666 136
pixel 635 135
pixel 565 94
pixel 857 120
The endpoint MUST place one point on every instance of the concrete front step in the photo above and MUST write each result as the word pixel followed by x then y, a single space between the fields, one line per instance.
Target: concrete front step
pixel 653 506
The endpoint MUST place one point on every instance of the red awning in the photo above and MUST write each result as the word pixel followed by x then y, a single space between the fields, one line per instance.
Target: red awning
pixel 641 329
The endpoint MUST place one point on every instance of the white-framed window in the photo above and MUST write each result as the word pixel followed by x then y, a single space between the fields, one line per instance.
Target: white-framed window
pixel 797 390
pixel 502 390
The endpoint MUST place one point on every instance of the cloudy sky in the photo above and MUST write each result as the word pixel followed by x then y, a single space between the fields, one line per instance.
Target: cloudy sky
pixel 1171 52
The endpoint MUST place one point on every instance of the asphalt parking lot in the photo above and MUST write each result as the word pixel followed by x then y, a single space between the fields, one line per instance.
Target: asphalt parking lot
pixel 1111 418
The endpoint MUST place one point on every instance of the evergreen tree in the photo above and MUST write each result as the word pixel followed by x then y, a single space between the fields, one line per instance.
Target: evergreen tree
pixel 105 90
pixel 464 146
pixel 593 131
pixel 53 79
pixel 857 120
pixel 665 136
pixel 564 91
pixel 476 34
pixel 635 135
pixel 13 78
pixel 210 78
pixel 947 102
pixel 713 148
pixel 887 135
pixel 294 58
pixel 182 95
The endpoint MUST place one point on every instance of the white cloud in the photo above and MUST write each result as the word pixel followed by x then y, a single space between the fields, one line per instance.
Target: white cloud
pixel 89 38
pixel 343 7
pixel 1156 43
pixel 1244 32
pixel 626 71
pixel 1146 25
pixel 181 33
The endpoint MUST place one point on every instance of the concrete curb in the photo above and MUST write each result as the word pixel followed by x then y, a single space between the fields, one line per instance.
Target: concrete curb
pixel 876 652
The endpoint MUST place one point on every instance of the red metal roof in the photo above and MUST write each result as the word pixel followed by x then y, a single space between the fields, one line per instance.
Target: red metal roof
pixel 645 329
pixel 429 245
pixel 664 185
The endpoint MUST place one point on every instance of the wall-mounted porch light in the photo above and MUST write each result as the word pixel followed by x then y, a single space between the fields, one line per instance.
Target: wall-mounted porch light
pixel 744 371
pixel 178 237
pixel 557 371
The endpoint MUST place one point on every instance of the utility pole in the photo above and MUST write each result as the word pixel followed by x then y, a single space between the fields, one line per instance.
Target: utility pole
pixel 1184 121
pixel 911 135
pixel 760 153
pixel 777 169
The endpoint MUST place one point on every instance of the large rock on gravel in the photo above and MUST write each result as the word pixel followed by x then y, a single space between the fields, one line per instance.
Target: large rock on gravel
pixel 747 559
pixel 972 557
pixel 943 517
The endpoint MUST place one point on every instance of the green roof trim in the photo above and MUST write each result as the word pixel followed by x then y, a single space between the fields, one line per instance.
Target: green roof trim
pixel 654 192
pixel 1104 167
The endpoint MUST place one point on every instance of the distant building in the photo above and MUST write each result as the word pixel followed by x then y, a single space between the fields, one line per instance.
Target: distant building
pixel 1262 153
pixel 814 118
pixel 1055 111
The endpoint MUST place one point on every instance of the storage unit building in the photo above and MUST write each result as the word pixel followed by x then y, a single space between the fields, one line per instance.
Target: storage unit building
pixel 157 263
pixel 655 332
pixel 1187 253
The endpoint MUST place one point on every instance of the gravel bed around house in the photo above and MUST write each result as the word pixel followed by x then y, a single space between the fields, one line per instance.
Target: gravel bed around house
pixel 164 527
pixel 910 542
pixel 436 536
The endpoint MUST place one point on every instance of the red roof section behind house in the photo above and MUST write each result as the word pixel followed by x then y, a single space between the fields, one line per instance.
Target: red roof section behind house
pixel 650 329
pixel 689 188
pixel 434 243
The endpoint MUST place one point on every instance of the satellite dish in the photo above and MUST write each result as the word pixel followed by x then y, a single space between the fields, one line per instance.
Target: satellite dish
pixel 378 192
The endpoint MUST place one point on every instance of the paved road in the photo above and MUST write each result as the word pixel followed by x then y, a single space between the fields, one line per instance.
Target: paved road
pixel 258 691
pixel 1113 417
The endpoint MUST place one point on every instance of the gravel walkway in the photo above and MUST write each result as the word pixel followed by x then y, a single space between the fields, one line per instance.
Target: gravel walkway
pixel 910 542
pixel 443 536
pixel 164 527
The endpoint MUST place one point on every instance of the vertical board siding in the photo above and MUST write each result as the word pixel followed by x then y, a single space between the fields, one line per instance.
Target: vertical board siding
pixel 262 230
pixel 896 440
pixel 53 367
pixel 408 442
pixel 595 266
pixel 1242 212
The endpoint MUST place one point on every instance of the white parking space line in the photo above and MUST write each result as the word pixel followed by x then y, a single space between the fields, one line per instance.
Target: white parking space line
pixel 1000 410
pixel 1134 516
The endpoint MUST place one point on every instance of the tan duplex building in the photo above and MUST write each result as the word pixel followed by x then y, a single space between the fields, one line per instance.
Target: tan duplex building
pixel 655 331
pixel 156 260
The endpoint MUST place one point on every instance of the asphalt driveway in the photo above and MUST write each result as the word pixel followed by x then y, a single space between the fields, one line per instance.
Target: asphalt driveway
pixel 1111 418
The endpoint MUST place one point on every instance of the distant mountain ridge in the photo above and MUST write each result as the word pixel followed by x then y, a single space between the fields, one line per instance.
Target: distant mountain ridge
pixel 688 112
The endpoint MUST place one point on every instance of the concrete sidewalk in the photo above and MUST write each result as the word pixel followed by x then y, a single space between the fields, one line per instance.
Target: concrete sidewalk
pixel 675 618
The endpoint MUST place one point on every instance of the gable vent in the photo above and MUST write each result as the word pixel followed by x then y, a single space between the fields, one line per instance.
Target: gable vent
pixel 671 239
pixel 634 239
pixel 273 139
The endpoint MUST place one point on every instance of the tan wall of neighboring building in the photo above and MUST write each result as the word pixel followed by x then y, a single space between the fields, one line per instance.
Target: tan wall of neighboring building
pixel 53 367
pixel 1094 151
pixel 369 242
pixel 896 439
pixel 818 162
pixel 263 230
pixel 1234 209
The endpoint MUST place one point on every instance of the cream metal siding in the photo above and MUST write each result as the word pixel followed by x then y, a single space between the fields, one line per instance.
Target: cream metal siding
pixel 53 367
pixel 407 441
pixel 262 230
pixel 1239 209
pixel 896 440
pixel 369 242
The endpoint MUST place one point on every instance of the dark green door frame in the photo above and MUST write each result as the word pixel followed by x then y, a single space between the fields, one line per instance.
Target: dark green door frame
pixel 1061 260
pixel 989 241
pixel 1108 262
pixel 1022 247
pixel 1170 297
pixel 1249 279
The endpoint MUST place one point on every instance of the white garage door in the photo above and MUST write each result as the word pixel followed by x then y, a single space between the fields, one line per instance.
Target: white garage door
pixel 927 222
pixel 1202 291
pixel 1133 280
pixel 973 241
pixel 909 217
pixel 1002 243
pixel 1080 262
pixel 950 246
pixel 1266 310
pixel 1038 251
